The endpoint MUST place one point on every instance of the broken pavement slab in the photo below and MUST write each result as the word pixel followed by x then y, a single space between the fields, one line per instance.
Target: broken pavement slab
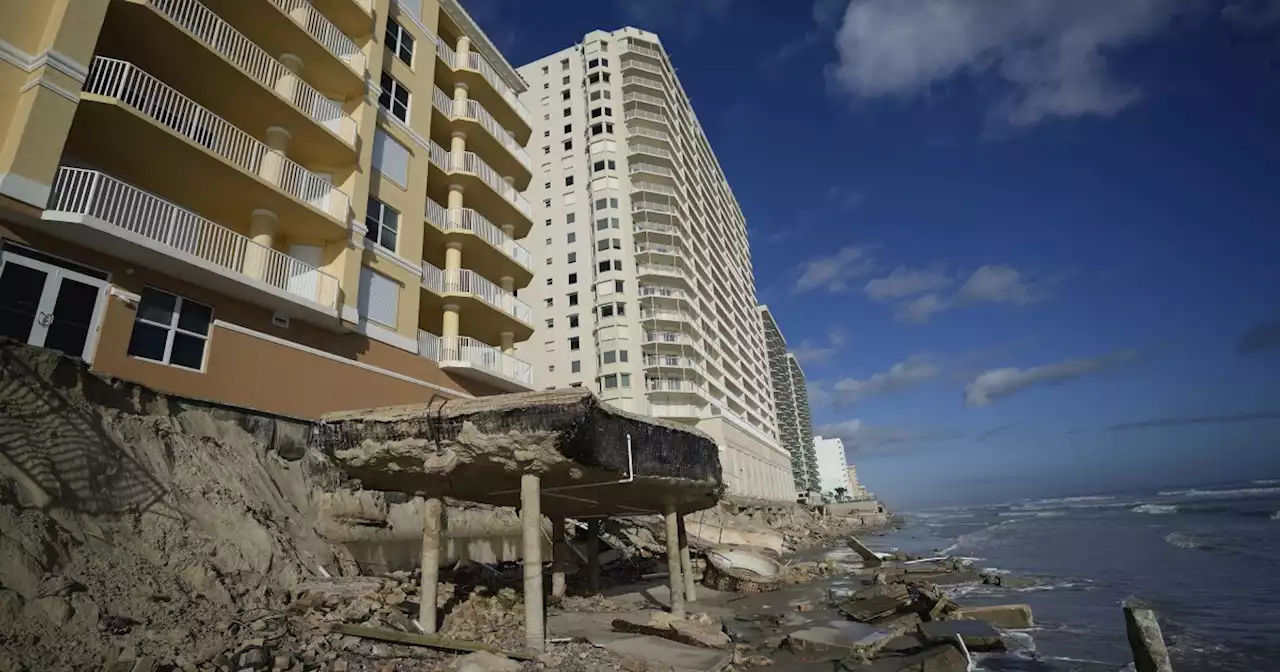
pixel 697 630
pixel 1008 616
pixel 945 658
pixel 977 635
pixel 839 639
pixel 869 557
pixel 657 653
pixel 872 608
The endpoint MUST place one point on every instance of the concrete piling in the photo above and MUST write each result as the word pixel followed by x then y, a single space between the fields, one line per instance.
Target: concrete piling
pixel 673 561
pixel 686 564
pixel 559 558
pixel 431 525
pixel 1145 639
pixel 531 524
pixel 593 554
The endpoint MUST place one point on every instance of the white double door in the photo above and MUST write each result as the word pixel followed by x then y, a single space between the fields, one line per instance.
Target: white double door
pixel 50 303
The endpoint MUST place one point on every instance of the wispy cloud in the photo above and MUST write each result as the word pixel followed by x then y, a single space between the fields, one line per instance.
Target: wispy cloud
pixel 1261 338
pixel 812 353
pixel 861 438
pixel 917 293
pixel 837 272
pixel 999 284
pixel 1051 55
pixel 995 384
pixel 904 282
pixel 1186 420
pixel 904 375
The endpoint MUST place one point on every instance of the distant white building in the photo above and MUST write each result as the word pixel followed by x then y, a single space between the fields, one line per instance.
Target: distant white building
pixel 833 469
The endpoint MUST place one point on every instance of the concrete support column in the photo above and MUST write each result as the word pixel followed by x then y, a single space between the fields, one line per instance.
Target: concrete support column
pixel 510 230
pixel 460 100
pixel 686 563
pixel 449 324
pixel 287 85
pixel 263 225
pixel 454 204
pixel 432 524
pixel 508 284
pixel 673 561
pixel 531 524
pixel 508 342
pixel 593 554
pixel 559 558
pixel 463 49
pixel 457 150
pixel 273 161
pixel 511 183
pixel 453 256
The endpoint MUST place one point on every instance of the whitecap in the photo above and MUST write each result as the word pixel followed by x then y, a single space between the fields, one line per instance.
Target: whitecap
pixel 1184 540
pixel 1236 492
pixel 1155 509
pixel 1032 514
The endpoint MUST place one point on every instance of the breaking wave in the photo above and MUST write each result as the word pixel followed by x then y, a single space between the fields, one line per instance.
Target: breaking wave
pixel 1184 540
pixel 1155 509
pixel 1237 492
pixel 1032 514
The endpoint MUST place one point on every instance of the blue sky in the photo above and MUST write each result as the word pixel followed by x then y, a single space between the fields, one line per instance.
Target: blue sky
pixel 1021 252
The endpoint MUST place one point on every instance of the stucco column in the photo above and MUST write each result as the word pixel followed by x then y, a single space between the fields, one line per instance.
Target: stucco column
pixel 453 256
pixel 531 527
pixel 686 563
pixel 454 204
pixel 431 526
pixel 460 100
pixel 287 84
pixel 510 230
pixel 508 343
pixel 508 284
pixel 463 49
pixel 457 149
pixel 511 182
pixel 449 326
pixel 263 225
pixel 559 558
pixel 673 560
pixel 278 141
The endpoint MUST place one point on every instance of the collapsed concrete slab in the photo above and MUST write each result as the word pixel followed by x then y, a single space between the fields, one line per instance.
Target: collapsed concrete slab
pixel 1008 616
pixel 591 458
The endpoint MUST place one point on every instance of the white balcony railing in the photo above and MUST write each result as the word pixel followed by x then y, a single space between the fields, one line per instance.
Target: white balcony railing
pixel 653 206
pixel 643 98
pixel 466 219
pixel 222 38
pixel 130 85
pixel 479 64
pixel 630 63
pixel 469 162
pixel 651 169
pixel 671 361
pixel 324 32
pixel 467 350
pixel 664 292
pixel 475 112
pixel 465 281
pixel 643 81
pixel 643 132
pixel 638 48
pixel 640 185
pixel 77 191
pixel 660 269
pixel 645 114
pixel 639 148
pixel 673 385
pixel 657 227
pixel 673 337
pixel 675 315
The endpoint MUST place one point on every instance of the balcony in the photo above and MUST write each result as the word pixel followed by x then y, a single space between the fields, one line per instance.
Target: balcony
pixel 643 132
pixel 672 338
pixel 494 251
pixel 652 169
pixel 483 133
pixel 664 271
pixel 100 212
pixel 484 187
pixel 486 85
pixel 353 17
pixel 632 64
pixel 636 97
pixel 673 386
pixel 661 292
pixel 330 59
pixel 487 309
pixel 193 49
pixel 472 359
pixel 667 315
pixel 645 115
pixel 134 126
pixel 656 227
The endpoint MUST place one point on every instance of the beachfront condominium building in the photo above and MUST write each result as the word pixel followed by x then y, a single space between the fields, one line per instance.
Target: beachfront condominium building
pixel 856 489
pixel 791 402
pixel 833 466
pixel 643 286
pixel 293 205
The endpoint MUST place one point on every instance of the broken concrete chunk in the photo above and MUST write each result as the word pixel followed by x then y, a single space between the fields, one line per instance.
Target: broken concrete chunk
pixel 705 632
pixel 483 661
pixel 1145 640
pixel 893 590
pixel 1012 616
pixel 840 639
pixel 907 621
pixel 977 635
pixel 945 658
pixel 869 557
pixel 874 607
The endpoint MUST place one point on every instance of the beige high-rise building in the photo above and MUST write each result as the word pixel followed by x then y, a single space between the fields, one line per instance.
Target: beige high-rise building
pixel 643 285
pixel 292 205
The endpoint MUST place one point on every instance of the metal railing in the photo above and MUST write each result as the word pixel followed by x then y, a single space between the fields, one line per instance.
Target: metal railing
pixel 672 361
pixel 87 192
pixel 633 97
pixel 221 37
pixel 317 26
pixel 653 206
pixel 668 337
pixel 466 219
pixel 132 86
pixel 665 292
pixel 464 349
pixel 640 185
pixel 656 227
pixel 652 169
pixel 641 148
pixel 628 63
pixel 659 248
pixel 641 49
pixel 644 81
pixel 464 281
pixel 673 385
pixel 479 64
pixel 678 315
pixel 643 132
pixel 470 162
pixel 476 112
pixel 645 114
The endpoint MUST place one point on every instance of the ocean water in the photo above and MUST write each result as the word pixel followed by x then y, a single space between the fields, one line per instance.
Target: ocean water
pixel 1207 559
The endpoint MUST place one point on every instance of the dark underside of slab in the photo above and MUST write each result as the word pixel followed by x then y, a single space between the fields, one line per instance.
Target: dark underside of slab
pixel 591 458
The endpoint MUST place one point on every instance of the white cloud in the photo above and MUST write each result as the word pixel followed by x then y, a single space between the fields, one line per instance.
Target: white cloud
pixel 904 282
pixel 995 384
pixel 921 308
pixel 836 272
pixel 811 353
pixel 999 284
pixel 861 438
pixel 1051 54
pixel 904 375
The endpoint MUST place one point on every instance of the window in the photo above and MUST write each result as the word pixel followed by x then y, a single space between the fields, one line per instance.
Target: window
pixel 546 202
pixel 573 343
pixel 622 310
pixel 613 202
pixel 390 158
pixel 595 95
pixel 573 278
pixel 549 302
pixel 603 266
pixel 546 69
pixel 548 261
pixel 609 357
pixel 575 366
pixel 604 62
pixel 546 149
pixel 618 285
pixel 608 94
pixel 596 112
pixel 608 127
pixel 548 242
pixel 551 323
pixel 548 281
pixel 602 244
pixel 400 42
pixel 564 64
pixel 606 311
pixel 546 85
pixel 602 224
pixel 573 257
pixel 573 299
pixel 564 95
pixel 547 222
pixel 568 112
pixel 608 112
pixel 595 62
pixel 626 380
pixel 602 203
pixel 568 181
pixel 617 243
pixel 593 77
pixel 570 218
pixel 171 330
pixel 546 185
pixel 610 381
pixel 597 129
pixel 605 77
pixel 565 81
pixel 394 97
pixel 622 354
pixel 568 145
pixel 546 134
pixel 383 222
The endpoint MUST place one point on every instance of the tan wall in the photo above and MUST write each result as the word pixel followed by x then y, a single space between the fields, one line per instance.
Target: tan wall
pixel 243 369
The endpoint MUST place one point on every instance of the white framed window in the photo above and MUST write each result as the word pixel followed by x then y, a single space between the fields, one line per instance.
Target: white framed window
pixel 171 330
pixel 394 97
pixel 383 222
pixel 400 42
